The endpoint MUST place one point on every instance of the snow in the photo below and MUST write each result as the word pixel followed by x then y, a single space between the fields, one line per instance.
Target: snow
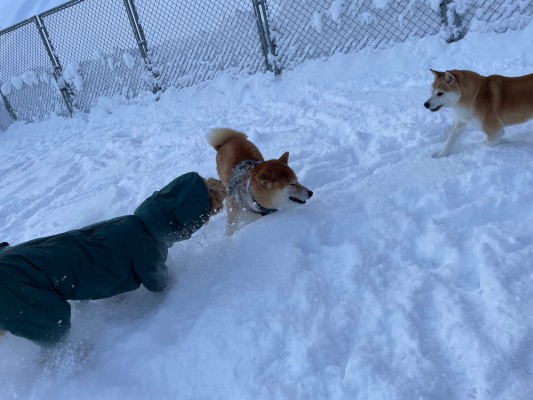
pixel 72 75
pixel 336 10
pixel 17 82
pixel 316 22
pixel 129 60
pixel 380 3
pixel 404 277
pixel 6 88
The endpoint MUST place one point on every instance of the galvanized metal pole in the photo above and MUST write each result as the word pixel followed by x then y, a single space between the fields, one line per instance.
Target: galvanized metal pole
pixel 263 29
pixel 8 106
pixel 272 50
pixel 64 88
pixel 142 43
pixel 452 21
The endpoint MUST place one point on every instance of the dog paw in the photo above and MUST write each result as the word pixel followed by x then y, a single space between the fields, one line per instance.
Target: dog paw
pixel 494 142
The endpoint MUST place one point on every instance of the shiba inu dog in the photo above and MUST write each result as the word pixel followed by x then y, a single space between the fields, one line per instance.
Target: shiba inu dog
pixel 255 187
pixel 488 103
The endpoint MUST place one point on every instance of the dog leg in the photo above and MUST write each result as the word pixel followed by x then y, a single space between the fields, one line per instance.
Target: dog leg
pixel 494 131
pixel 458 128
pixel 2 333
pixel 232 210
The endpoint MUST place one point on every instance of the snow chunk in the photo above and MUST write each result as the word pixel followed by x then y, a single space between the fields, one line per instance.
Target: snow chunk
pixel 367 18
pixel 72 75
pixel 129 60
pixel 336 10
pixel 97 55
pixel 111 63
pixel 381 4
pixel 17 82
pixel 6 88
pixel 434 4
pixel 316 22
pixel 30 78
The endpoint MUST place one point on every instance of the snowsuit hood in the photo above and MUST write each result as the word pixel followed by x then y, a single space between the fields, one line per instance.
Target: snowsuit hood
pixel 170 215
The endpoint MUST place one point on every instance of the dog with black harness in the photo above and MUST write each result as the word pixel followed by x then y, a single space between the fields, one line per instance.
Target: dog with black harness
pixel 255 187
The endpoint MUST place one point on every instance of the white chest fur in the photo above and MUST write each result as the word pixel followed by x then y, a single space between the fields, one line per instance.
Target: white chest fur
pixel 467 116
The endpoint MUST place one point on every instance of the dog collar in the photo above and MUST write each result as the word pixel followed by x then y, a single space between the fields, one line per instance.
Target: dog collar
pixel 242 192
pixel 258 208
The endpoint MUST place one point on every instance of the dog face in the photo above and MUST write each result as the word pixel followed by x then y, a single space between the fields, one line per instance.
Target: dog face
pixel 445 91
pixel 275 185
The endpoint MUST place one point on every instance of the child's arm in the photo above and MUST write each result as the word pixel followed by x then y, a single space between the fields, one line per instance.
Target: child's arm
pixel 157 281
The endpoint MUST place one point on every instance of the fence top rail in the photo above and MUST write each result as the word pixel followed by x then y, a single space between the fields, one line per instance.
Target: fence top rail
pixel 16 26
pixel 60 7
pixel 43 14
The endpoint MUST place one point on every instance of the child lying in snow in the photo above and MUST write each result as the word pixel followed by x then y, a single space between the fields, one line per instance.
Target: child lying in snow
pixel 99 261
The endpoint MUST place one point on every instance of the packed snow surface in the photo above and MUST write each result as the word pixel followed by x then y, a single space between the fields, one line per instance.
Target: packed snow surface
pixel 404 277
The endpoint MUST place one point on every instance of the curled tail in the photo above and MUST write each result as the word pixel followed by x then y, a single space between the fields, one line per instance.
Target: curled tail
pixel 219 136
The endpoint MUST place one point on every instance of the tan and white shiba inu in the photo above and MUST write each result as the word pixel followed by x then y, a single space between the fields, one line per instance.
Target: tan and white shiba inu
pixel 255 186
pixel 488 103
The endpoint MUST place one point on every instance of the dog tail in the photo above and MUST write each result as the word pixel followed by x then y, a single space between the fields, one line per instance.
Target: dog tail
pixel 219 136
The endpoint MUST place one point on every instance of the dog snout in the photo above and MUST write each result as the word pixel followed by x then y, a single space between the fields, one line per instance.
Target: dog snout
pixel 426 104
pixel 309 193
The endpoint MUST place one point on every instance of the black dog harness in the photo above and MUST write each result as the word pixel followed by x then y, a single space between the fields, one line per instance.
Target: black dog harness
pixel 239 186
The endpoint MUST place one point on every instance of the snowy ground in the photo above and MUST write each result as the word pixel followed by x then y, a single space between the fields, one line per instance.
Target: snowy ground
pixel 404 277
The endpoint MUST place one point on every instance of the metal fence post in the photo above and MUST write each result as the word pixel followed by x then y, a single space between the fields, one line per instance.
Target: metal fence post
pixel 8 106
pixel 263 28
pixel 66 91
pixel 138 32
pixel 451 21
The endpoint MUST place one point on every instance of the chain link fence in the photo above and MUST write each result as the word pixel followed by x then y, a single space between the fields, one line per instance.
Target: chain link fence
pixel 27 85
pixel 305 29
pixel 97 51
pixel 192 41
pixel 460 17
pixel 65 59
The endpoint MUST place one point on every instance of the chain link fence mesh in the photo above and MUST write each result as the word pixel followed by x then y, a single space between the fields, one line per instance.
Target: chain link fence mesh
pixel 480 15
pixel 192 41
pixel 26 75
pixel 303 29
pixel 124 47
pixel 5 117
pixel 97 50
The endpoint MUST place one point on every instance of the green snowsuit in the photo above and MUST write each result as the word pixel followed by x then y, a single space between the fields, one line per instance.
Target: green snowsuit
pixel 99 261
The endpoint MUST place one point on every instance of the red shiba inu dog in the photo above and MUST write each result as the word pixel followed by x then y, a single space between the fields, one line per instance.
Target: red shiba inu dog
pixel 488 103
pixel 255 186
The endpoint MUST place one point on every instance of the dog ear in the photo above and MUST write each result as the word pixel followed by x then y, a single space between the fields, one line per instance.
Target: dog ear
pixel 436 74
pixel 284 158
pixel 264 178
pixel 450 78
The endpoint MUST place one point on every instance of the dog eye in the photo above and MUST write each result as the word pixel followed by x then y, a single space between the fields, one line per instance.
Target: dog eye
pixel 440 94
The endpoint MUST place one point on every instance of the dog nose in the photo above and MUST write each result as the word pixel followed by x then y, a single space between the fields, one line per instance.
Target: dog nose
pixel 310 194
pixel 426 104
